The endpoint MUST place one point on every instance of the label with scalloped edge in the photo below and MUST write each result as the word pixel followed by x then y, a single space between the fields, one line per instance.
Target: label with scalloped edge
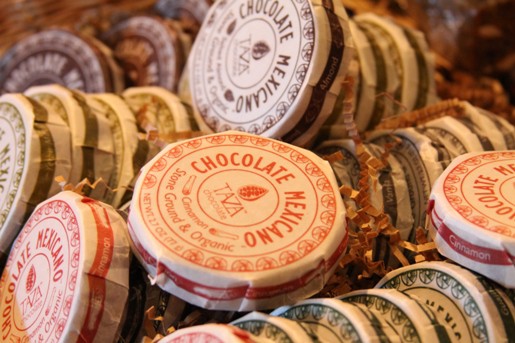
pixel 472 209
pixel 40 277
pixel 473 308
pixel 243 209
pixel 54 56
pixel 69 261
pixel 332 320
pixel 12 156
pixel 267 67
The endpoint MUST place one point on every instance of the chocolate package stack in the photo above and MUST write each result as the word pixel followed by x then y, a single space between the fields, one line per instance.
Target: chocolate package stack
pixel 272 69
pixel 54 133
pixel 226 221
pixel 34 150
pixel 233 215
pixel 392 72
pixel 84 64
pixel 151 50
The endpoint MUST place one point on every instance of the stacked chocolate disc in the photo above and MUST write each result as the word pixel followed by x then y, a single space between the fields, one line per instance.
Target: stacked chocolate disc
pixel 416 158
pixel 60 56
pixel 392 72
pixel 66 278
pixel 151 50
pixel 235 220
pixel 79 138
pixel 227 221
pixel 425 302
pixel 471 214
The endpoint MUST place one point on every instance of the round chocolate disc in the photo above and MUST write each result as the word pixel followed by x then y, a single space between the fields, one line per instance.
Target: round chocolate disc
pixel 54 56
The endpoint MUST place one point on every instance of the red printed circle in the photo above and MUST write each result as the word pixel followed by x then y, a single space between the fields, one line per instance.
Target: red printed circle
pixel 39 274
pixel 236 202
pixel 482 190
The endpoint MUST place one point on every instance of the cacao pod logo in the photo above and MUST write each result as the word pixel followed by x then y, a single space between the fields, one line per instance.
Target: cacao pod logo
pixel 231 27
pixel 228 95
pixel 259 50
pixel 251 192
pixel 31 279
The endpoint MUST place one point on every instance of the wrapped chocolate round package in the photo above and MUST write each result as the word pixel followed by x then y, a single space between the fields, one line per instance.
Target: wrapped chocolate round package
pixel 504 126
pixel 422 163
pixel 66 278
pixel 125 139
pixel 275 329
pixel 366 95
pixel 410 318
pixel 452 133
pixel 346 169
pixel 55 56
pixel 34 149
pixel 227 221
pixel 332 320
pixel 472 211
pixel 270 68
pixel 92 139
pixel 149 50
pixel 474 308
pixel 389 67
pixel 412 60
pixel 116 76
pixel 488 133
pixel 396 200
pixel 158 109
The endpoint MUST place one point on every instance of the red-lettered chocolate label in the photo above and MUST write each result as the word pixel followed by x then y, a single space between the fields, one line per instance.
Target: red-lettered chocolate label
pixel 250 63
pixel 236 203
pixel 39 280
pixel 482 190
pixel 12 157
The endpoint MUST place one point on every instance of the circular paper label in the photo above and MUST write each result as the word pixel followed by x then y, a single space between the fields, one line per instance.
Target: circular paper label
pixel 12 156
pixel 236 202
pixel 250 62
pixel 53 56
pixel 482 190
pixel 38 283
